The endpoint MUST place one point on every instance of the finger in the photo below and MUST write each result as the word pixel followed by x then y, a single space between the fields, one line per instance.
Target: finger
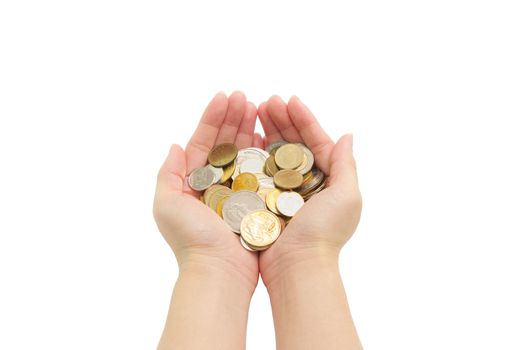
pixel 278 112
pixel 272 133
pixel 311 132
pixel 206 133
pixel 257 141
pixel 172 173
pixel 246 129
pixel 236 109
pixel 343 165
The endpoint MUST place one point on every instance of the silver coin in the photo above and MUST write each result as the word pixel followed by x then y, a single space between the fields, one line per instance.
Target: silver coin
pixel 318 178
pixel 276 144
pixel 256 149
pixel 238 205
pixel 311 159
pixel 252 165
pixel 288 203
pixel 249 153
pixel 217 172
pixel 265 181
pixel 201 178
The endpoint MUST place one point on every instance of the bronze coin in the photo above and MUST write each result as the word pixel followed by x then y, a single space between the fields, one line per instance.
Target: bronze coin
pixel 288 179
pixel 222 154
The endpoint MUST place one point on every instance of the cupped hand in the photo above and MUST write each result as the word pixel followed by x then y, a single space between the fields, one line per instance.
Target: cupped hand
pixel 327 220
pixel 199 238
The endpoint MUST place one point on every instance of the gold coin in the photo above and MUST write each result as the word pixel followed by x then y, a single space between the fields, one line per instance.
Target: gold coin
pixel 260 228
pixel 218 195
pixel 302 165
pixel 288 179
pixel 271 166
pixel 307 177
pixel 289 156
pixel 209 191
pixel 245 245
pixel 228 171
pixel 222 154
pixel 271 200
pixel 255 248
pixel 310 160
pixel 245 181
pixel 220 205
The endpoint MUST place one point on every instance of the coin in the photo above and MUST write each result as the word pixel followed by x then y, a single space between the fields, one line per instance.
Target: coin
pixel 238 205
pixel 217 172
pixel 220 205
pixel 201 178
pixel 275 145
pixel 265 181
pixel 313 181
pixel 310 159
pixel 289 156
pixel 246 246
pixel 247 198
pixel 289 202
pixel 288 179
pixel 271 199
pixel 245 181
pixel 249 153
pixel 252 165
pixel 256 248
pixel 303 164
pixel 260 228
pixel 219 195
pixel 271 166
pixel 209 191
pixel 227 172
pixel 222 154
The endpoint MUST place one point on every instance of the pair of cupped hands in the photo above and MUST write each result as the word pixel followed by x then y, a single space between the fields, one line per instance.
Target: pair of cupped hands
pixel 202 241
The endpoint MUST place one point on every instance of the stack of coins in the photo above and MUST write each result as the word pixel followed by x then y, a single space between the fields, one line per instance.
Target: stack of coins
pixel 258 191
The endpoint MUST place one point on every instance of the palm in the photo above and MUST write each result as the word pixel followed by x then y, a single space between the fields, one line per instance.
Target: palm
pixel 191 228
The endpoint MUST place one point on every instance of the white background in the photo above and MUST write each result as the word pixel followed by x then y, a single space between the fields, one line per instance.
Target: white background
pixel 92 94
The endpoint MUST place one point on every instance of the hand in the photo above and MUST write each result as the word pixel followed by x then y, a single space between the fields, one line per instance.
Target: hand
pixel 318 231
pixel 199 238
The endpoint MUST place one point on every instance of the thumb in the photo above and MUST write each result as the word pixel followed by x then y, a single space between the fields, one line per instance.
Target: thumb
pixel 172 173
pixel 343 171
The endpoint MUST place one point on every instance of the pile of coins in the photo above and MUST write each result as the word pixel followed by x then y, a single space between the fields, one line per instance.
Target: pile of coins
pixel 258 191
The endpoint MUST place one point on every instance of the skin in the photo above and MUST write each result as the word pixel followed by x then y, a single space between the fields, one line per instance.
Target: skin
pixel 218 276
pixel 300 270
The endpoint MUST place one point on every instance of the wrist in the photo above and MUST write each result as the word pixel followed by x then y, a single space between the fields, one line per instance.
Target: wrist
pixel 218 272
pixel 296 269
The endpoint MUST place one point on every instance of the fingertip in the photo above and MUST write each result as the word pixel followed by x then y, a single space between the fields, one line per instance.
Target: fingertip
pixel 276 98
pixel 175 148
pixel 257 140
pixel 220 94
pixel 294 100
pixel 237 95
pixel 348 139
